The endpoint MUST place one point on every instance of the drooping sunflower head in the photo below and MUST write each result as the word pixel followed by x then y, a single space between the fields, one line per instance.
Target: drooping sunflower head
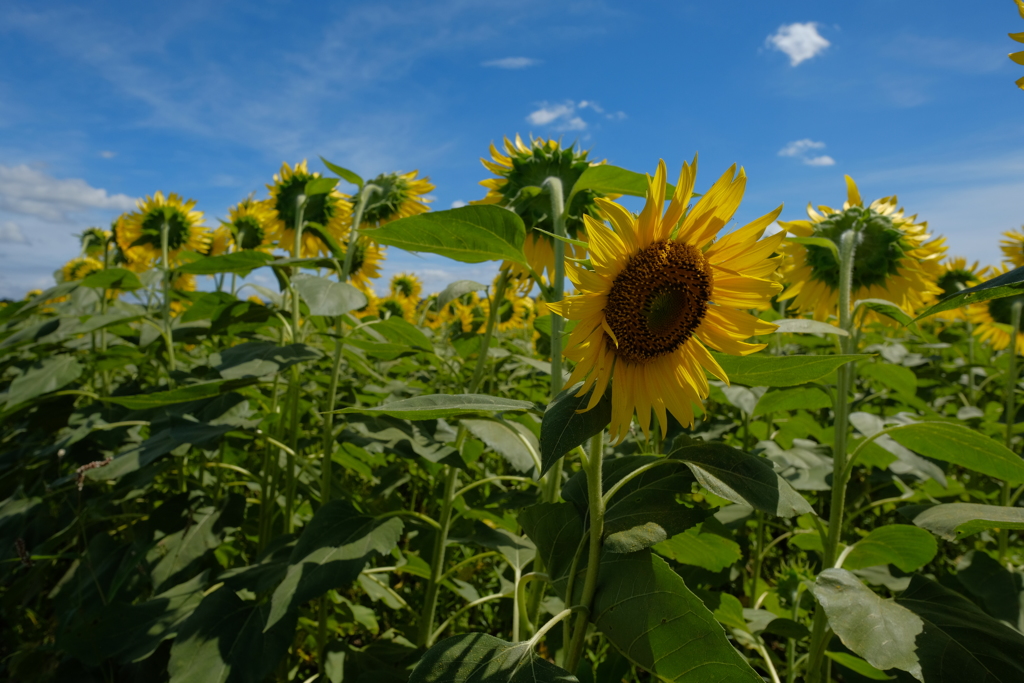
pixel 250 222
pixel 406 285
pixel 80 268
pixel 366 260
pixel 331 210
pixel 993 319
pixel 660 291
pixel 895 259
pixel 398 307
pixel 520 173
pixel 1018 57
pixel 400 195
pixel 133 258
pixel 957 275
pixel 143 229
pixel 371 309
pixel 94 242
pixel 514 313
pixel 221 241
pixel 1013 247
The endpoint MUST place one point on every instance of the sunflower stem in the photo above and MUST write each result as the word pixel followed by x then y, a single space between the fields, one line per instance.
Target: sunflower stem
pixel 426 634
pixel 597 509
pixel 293 389
pixel 840 472
pixel 168 335
pixel 1011 412
pixel 357 220
pixel 492 319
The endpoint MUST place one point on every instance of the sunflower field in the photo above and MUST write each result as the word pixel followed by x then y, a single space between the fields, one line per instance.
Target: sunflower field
pixel 657 446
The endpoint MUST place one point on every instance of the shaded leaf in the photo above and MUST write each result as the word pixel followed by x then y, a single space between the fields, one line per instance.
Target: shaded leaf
pixel 805 326
pixel 260 358
pixel 242 262
pixel 858 665
pixel 953 521
pixel 995 587
pixel 564 428
pixel 706 550
pixel 113 278
pixel 1007 284
pixel 191 392
pixel 180 432
pixel 176 552
pixel 802 398
pixel 43 378
pixel 557 530
pixel 896 377
pixel 506 440
pixel 344 173
pixel 401 331
pixel 780 371
pixel 437 406
pixel 480 658
pixel 963 446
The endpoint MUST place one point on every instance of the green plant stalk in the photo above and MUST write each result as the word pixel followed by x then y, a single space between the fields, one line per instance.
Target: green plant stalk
pixel 437 560
pixel 168 335
pixel 1011 414
pixel 756 557
pixel 492 320
pixel 840 472
pixel 293 388
pixel 597 509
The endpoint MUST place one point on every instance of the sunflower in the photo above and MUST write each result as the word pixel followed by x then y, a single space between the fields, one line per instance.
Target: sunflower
pixel 94 242
pixel 519 172
pixel 661 290
pixel 957 275
pixel 250 221
pixel 371 309
pixel 514 313
pixel 894 259
pixel 398 307
pixel 331 210
pixel 992 319
pixel 80 268
pixel 1013 247
pixel 471 312
pixel 141 230
pixel 220 241
pixel 406 285
pixel 133 258
pixel 401 195
pixel 1019 37
pixel 366 260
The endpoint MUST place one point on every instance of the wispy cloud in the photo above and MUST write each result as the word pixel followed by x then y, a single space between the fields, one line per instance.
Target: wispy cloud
pixel 803 150
pixel 799 42
pixel 107 154
pixel 566 115
pixel 512 63
pixel 31 192
pixel 10 233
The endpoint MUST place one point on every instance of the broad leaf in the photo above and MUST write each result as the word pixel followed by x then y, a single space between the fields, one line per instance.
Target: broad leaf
pixel 886 308
pixel 43 378
pixel 512 441
pixel 564 428
pixel 805 326
pixel 648 613
pixel 401 331
pixel 457 289
pixel 320 186
pixel 608 179
pixel 993 585
pixel 331 552
pixel 953 521
pixel 176 552
pixel 905 546
pixel 557 530
pixel 700 549
pixel 742 478
pixel 1007 284
pixel 858 665
pixel 191 392
pixel 113 278
pixel 963 446
pixel 241 262
pixel 326 297
pixel 879 630
pixel 260 358
pixel 801 398
pixel 901 379
pixel 480 658
pixel 780 371
pixel 437 406
pixel 180 432
pixel 470 234
pixel 344 173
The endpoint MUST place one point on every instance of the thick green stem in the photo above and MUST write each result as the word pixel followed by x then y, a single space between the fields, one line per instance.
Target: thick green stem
pixel 756 556
pixel 168 334
pixel 1011 412
pixel 289 501
pixel 437 561
pixel 553 479
pixel 485 343
pixel 597 507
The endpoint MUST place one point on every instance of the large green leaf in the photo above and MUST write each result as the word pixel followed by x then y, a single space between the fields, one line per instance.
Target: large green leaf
pixel 608 179
pixel 326 297
pixel 780 371
pixel 700 549
pixel 512 441
pixel 648 613
pixel 457 289
pixel 963 446
pixel 331 552
pixel 480 658
pixel 437 406
pixel 800 398
pixel 557 530
pixel 742 478
pixel 564 428
pixel 960 642
pixel 879 630
pixel 43 378
pixel 954 521
pixel 180 432
pixel 996 588
pixel 1007 284
pixel 400 331
pixel 470 234
pixel 241 262
pixel 191 392
pixel 224 641
pixel 905 546
pixel 260 358
pixel 176 552
pixel 896 377
pixel 113 278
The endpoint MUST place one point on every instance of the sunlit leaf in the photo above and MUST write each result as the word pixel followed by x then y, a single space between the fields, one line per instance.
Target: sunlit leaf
pixel 481 658
pixel 470 234
pixel 907 547
pixel 780 371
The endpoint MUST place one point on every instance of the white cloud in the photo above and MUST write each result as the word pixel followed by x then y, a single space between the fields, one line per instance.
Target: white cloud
pixel 458 204
pixel 512 63
pixel 566 116
pixel 30 192
pixel 107 154
pixel 799 41
pixel 549 114
pixel 800 149
pixel 10 233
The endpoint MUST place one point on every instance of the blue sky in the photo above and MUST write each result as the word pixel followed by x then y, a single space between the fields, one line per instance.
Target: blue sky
pixel 103 102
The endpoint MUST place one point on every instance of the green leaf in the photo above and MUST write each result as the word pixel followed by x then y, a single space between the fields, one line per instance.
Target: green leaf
pixel 888 309
pixel 961 445
pixel 1007 284
pixel 176 552
pixel 507 440
pixel 192 392
pixel 331 552
pixel 344 173
pixel 457 289
pixel 648 613
pixel 905 546
pixel 99 322
pixel 803 398
pixel 326 297
pixel 43 378
pixel 995 587
pixel 896 377
pixel 608 179
pixel 804 326
pixel 858 665
pixel 241 262
pixel 437 406
pixel 320 186
pixel 960 642
pixel 260 359
pixel 823 242
pixel 705 550
pixel 780 371
pixel 470 234
pixel 480 658
pixel 556 529
pixel 881 631
pixel 113 278
pixel 953 521
pixel 224 640
pixel 401 331
pixel 180 432
pixel 564 428
pixel 742 478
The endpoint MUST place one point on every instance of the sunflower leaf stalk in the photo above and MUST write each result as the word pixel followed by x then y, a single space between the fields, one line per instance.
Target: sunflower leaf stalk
pixel 556 192
pixel 165 229
pixel 289 504
pixel 1011 411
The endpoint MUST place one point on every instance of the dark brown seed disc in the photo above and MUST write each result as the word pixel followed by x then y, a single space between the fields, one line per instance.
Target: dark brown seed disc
pixel 658 300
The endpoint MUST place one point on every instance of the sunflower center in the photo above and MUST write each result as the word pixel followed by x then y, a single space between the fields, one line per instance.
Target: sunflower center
pixel 153 223
pixel 1001 310
pixel 248 232
pixel 658 300
pixel 878 255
